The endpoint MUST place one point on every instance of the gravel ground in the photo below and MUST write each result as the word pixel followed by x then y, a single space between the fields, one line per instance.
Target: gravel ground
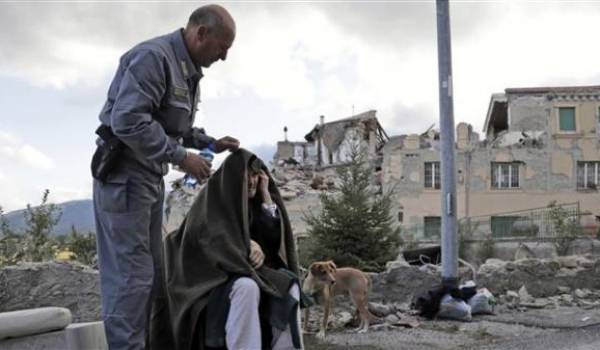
pixel 569 330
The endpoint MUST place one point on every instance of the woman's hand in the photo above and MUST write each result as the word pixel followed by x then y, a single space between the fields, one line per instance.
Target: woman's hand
pixel 257 257
pixel 264 186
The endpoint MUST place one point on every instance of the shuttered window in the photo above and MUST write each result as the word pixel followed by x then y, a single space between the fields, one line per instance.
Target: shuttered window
pixel 566 116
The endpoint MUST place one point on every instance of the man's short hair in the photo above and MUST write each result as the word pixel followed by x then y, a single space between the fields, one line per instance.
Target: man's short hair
pixel 208 17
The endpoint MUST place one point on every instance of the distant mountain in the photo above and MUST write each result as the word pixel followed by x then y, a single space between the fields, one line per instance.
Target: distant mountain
pixel 78 213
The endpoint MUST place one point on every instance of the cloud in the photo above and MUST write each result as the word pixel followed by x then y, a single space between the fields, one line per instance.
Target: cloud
pixel 65 194
pixel 292 62
pixel 11 196
pixel 34 158
pixel 16 151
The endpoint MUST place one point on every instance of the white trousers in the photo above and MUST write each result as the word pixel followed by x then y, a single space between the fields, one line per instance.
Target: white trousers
pixel 242 329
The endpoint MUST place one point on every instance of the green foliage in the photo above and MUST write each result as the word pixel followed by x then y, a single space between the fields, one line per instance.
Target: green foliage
pixel 9 243
pixel 84 246
pixel 36 243
pixel 5 229
pixel 486 249
pixel 566 228
pixel 40 221
pixel 354 227
pixel 466 231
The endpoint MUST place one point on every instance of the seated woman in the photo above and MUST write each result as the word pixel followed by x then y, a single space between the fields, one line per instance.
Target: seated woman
pixel 230 269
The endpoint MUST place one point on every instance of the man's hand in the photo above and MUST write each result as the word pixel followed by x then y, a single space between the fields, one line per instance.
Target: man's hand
pixel 226 143
pixel 257 257
pixel 196 166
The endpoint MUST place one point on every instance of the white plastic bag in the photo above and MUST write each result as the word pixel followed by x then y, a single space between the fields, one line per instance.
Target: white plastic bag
pixel 454 309
pixel 483 302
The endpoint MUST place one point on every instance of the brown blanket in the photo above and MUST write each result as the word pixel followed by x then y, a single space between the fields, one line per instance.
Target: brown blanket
pixel 212 244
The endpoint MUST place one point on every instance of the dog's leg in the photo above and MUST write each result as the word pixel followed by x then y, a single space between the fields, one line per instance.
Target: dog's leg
pixel 360 301
pixel 306 317
pixel 326 310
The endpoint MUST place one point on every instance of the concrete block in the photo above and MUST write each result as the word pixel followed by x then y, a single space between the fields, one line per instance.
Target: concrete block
pixel 46 341
pixel 21 323
pixel 86 336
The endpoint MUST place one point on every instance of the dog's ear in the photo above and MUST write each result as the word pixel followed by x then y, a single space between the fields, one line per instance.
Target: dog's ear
pixel 332 265
pixel 314 268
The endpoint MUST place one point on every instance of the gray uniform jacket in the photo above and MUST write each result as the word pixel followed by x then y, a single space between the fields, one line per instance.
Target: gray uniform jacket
pixel 152 102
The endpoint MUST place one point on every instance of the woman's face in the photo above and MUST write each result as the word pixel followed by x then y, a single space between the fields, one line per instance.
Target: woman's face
pixel 253 179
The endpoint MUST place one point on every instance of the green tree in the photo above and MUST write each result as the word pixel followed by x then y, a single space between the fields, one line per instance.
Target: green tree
pixel 354 227
pixel 566 228
pixel 40 221
pixel 10 243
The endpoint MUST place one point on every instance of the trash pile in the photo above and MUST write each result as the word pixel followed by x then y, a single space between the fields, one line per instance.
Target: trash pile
pixel 455 303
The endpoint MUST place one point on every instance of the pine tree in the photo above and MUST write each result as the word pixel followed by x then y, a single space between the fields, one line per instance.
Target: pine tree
pixel 354 227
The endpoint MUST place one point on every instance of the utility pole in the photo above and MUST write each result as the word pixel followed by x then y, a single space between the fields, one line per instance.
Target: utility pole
pixel 448 175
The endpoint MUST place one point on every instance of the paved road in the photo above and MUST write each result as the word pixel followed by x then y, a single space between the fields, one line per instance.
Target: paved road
pixel 586 338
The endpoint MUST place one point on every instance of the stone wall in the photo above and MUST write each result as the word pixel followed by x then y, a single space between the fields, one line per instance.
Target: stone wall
pixel 31 285
pixel 541 277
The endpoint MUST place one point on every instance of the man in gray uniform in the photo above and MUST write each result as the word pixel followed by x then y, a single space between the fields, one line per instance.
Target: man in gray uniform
pixel 150 112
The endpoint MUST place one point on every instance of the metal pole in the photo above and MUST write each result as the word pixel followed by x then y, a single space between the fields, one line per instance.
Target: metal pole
pixel 448 175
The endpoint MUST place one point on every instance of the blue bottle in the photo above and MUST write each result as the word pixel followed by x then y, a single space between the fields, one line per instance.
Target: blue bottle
pixel 205 153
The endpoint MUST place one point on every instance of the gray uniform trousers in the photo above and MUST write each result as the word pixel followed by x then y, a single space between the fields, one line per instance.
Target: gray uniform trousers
pixel 128 209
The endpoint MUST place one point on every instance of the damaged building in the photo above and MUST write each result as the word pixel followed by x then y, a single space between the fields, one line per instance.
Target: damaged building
pixel 329 144
pixel 540 145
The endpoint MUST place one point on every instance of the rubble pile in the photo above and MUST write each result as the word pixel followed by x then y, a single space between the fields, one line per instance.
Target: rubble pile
pixel 541 277
pixel 295 182
pixel 550 283
pixel 298 187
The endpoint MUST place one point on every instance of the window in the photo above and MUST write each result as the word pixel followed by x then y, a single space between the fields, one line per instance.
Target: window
pixel 432 175
pixel 566 119
pixel 433 226
pixel 505 175
pixel 587 175
pixel 502 226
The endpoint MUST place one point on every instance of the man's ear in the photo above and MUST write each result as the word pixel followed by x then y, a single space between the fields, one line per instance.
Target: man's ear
pixel 201 32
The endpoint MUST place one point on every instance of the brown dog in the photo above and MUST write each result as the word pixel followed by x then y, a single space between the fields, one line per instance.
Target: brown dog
pixel 325 280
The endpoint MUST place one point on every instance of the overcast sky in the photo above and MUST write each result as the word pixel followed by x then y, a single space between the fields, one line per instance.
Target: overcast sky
pixel 290 63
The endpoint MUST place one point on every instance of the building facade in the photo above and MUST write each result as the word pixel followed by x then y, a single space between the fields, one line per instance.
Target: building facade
pixel 540 145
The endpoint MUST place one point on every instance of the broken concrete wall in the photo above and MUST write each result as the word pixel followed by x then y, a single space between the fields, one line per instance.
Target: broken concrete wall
pixel 285 150
pixel 528 112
